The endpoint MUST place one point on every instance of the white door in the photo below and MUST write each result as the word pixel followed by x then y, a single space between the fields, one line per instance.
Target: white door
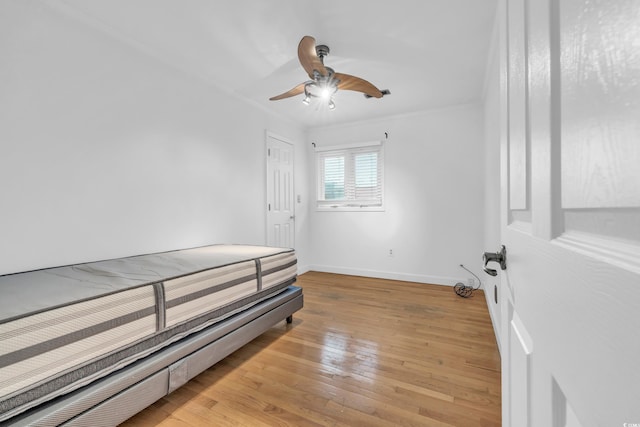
pixel 570 149
pixel 280 195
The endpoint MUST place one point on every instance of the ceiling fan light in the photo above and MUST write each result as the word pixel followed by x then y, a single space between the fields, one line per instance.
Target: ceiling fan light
pixel 306 100
pixel 332 105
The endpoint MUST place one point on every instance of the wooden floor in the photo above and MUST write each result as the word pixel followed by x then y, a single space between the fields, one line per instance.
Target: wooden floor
pixel 362 352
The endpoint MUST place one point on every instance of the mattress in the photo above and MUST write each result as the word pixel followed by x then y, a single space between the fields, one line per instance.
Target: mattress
pixel 65 327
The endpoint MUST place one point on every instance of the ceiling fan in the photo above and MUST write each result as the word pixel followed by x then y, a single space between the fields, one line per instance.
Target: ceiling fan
pixel 324 80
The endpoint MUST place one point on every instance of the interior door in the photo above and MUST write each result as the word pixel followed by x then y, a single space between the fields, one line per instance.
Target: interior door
pixel 570 171
pixel 280 193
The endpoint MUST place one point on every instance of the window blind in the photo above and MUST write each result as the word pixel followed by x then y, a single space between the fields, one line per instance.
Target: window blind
pixel 350 177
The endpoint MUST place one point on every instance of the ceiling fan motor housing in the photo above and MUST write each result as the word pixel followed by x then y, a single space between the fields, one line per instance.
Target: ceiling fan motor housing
pixel 322 50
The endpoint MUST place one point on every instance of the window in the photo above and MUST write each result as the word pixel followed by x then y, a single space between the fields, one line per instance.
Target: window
pixel 350 177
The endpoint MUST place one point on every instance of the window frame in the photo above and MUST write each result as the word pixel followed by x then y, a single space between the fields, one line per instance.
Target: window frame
pixel 349 151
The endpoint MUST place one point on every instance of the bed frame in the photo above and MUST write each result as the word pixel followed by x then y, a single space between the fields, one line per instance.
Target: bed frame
pixel 121 394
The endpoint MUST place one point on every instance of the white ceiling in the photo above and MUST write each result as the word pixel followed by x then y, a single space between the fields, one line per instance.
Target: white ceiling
pixel 428 53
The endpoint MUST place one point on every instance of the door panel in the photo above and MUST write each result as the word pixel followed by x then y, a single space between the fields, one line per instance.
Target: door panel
pixel 280 193
pixel 518 159
pixel 563 413
pixel 599 56
pixel 520 351
pixel 573 276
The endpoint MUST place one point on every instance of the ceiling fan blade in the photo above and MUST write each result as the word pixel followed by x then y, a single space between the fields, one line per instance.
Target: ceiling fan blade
pixel 293 92
pixel 348 82
pixel 309 58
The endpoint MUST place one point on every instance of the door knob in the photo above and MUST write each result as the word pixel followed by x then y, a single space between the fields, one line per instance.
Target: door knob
pixel 499 257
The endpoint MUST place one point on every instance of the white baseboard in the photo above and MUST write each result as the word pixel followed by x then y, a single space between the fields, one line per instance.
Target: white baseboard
pixel 419 278
pixel 303 269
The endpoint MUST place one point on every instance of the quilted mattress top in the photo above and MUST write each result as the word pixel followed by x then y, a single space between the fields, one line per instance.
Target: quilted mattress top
pixel 34 291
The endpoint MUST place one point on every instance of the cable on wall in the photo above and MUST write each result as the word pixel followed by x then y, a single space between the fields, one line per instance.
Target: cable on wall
pixel 465 291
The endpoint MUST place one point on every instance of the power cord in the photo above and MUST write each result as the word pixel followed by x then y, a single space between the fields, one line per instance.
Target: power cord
pixel 465 291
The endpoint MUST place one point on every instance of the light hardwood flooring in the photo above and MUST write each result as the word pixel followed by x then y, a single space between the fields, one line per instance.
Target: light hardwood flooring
pixel 362 352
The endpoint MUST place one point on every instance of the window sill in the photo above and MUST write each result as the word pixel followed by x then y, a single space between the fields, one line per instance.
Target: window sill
pixel 350 209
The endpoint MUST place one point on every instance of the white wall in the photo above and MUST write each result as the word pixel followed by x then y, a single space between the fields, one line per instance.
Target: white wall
pixel 108 152
pixel 492 239
pixel 433 219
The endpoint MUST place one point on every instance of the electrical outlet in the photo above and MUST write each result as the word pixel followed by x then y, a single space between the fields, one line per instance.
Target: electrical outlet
pixel 470 282
pixel 391 252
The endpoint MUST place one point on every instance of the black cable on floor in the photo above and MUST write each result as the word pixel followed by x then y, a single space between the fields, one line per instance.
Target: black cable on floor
pixel 465 291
